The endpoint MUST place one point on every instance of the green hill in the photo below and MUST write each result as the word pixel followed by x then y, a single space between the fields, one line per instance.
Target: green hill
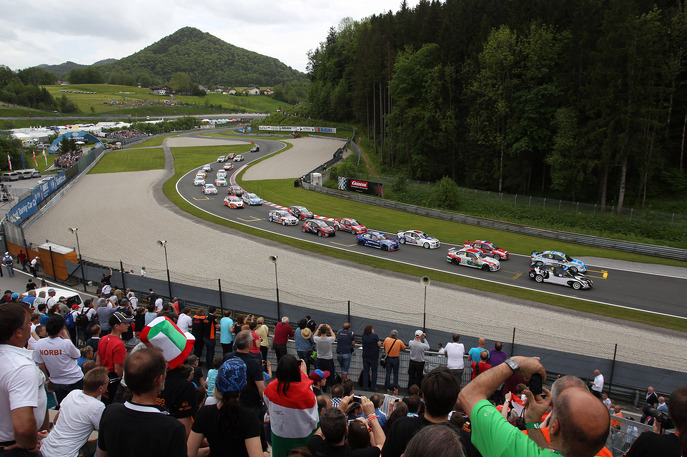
pixel 206 59
pixel 63 69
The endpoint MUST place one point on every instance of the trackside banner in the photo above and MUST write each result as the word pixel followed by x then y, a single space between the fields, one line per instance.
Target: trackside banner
pixel 287 128
pixel 364 187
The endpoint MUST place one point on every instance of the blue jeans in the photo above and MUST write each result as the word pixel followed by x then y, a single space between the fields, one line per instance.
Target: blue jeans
pixel 391 365
pixel 344 361
pixel 10 269
pixel 370 365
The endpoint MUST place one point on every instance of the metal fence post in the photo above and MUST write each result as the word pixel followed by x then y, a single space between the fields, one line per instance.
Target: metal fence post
pixel 52 263
pixel 121 268
pixel 610 383
pixel 219 288
pixel 512 343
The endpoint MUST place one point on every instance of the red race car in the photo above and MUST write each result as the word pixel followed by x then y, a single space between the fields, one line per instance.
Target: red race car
pixel 488 248
pixel 349 225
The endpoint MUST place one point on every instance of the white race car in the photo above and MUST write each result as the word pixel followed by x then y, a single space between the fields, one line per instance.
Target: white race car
pixel 207 168
pixel 209 189
pixel 222 158
pixel 472 258
pixel 557 258
pixel 251 199
pixel 238 158
pixel 560 275
pixel 199 181
pixel 221 181
pixel 221 173
pixel 417 238
pixel 281 217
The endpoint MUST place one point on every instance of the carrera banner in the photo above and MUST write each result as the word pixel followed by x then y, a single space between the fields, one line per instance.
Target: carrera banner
pixel 364 187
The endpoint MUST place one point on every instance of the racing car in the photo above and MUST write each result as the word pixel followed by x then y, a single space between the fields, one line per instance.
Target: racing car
pixel 488 248
pixel 199 181
pixel 222 159
pixel 301 212
pixel 221 173
pixel 235 190
pixel 209 189
pixel 221 181
pixel 472 258
pixel 558 274
pixel 318 227
pixel 207 168
pixel 233 202
pixel 281 217
pixel 251 199
pixel 255 148
pixel 417 238
pixel 377 240
pixel 238 158
pixel 557 258
pixel 349 225
pixel 227 166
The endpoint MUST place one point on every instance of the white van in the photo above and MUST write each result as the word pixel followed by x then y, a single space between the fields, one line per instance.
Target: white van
pixel 73 297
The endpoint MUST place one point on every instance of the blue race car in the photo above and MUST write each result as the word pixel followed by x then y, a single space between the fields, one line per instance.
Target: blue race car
pixel 557 258
pixel 377 240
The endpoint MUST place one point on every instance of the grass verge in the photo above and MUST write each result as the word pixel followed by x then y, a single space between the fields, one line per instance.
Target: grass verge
pixel 189 158
pixel 130 160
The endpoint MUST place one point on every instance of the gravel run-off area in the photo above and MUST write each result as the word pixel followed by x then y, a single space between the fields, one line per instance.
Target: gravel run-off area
pixel 121 216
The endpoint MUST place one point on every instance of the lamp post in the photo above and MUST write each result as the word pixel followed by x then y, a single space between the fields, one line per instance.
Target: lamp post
pixel 75 231
pixel 163 244
pixel 425 281
pixel 273 259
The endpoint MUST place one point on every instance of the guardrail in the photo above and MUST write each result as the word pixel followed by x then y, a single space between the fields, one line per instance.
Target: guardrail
pixel 587 240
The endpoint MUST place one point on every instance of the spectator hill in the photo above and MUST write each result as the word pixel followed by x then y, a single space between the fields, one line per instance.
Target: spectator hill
pixel 206 59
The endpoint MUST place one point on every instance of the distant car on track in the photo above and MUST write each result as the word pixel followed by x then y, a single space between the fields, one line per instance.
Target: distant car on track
pixel 227 166
pixel 251 199
pixel 233 202
pixel 301 212
pixel 417 238
pixel 560 275
pixel 348 224
pixel 472 258
pixel 221 181
pixel 488 248
pixel 235 190
pixel 255 148
pixel 202 173
pixel 221 159
pixel 231 156
pixel 281 217
pixel 377 240
pixel 199 181
pixel 238 158
pixel 557 258
pixel 318 227
pixel 207 168
pixel 209 189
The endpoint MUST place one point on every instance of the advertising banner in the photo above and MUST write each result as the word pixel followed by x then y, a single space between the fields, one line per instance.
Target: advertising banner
pixel 359 185
pixel 22 210
pixel 289 128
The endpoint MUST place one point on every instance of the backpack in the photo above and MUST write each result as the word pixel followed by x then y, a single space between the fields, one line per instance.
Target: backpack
pixel 82 319
pixel 69 320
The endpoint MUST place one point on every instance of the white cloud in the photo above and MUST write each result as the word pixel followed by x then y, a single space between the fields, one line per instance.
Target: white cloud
pixel 55 31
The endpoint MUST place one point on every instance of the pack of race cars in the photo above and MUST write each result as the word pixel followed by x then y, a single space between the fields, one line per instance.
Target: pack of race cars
pixel 545 267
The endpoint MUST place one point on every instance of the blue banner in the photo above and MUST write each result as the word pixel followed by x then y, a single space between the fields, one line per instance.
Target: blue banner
pixel 37 194
pixel 76 135
pixel 23 210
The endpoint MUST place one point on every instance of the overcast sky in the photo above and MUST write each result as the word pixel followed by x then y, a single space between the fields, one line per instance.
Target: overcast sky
pixel 52 32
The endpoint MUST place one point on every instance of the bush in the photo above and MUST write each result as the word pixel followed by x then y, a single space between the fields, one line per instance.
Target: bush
pixel 445 195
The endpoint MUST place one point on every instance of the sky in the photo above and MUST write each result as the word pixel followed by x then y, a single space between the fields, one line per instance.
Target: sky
pixel 52 32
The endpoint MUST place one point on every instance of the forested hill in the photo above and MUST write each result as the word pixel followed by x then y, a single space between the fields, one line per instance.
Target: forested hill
pixel 582 100
pixel 63 69
pixel 206 59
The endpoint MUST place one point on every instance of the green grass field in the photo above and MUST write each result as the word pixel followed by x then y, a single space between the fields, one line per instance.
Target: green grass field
pixel 116 161
pixel 111 99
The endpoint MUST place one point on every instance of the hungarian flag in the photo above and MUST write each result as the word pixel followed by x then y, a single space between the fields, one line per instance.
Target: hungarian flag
pixel 34 158
pixel 163 334
pixel 294 415
pixel 9 161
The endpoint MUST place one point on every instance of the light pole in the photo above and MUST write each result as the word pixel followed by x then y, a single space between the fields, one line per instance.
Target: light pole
pixel 75 231
pixel 163 244
pixel 425 281
pixel 273 259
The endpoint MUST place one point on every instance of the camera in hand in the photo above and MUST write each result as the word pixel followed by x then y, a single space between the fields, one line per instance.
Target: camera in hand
pixel 662 417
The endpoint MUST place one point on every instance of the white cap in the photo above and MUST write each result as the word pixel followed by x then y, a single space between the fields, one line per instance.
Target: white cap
pixel 418 333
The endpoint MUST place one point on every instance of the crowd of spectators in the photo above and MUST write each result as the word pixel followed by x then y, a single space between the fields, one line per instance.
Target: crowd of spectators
pixel 147 379
pixel 67 160
pixel 125 134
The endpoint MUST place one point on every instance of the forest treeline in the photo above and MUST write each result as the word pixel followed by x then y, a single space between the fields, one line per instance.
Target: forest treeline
pixel 584 100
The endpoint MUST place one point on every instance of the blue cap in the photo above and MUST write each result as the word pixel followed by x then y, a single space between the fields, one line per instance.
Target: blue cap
pixel 231 376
